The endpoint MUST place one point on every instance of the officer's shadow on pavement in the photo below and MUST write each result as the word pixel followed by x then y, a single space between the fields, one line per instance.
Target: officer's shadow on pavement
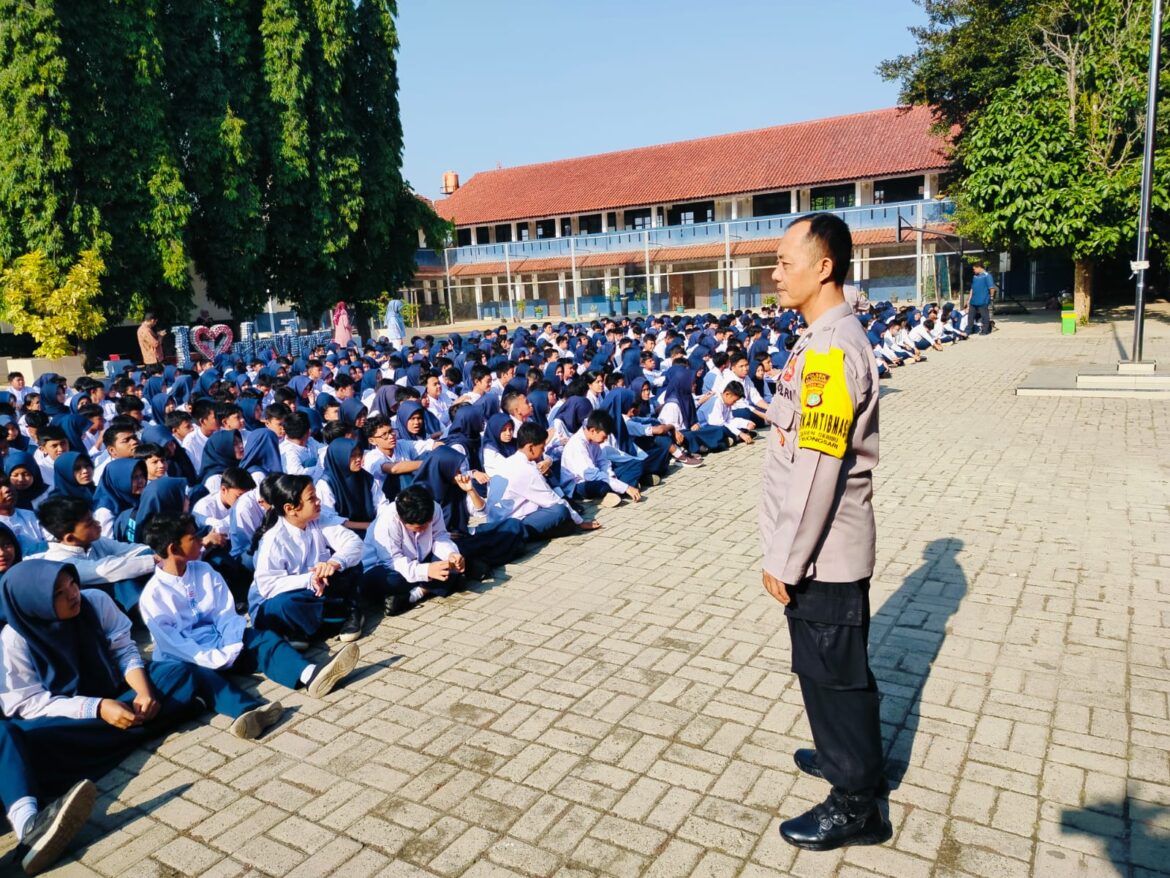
pixel 906 635
pixel 1134 835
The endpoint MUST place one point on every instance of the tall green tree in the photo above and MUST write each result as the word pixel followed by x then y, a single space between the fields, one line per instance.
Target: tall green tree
pixel 255 143
pixel 1049 155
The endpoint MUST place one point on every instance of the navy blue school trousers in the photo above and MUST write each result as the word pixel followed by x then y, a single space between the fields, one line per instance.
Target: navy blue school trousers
pixel 591 490
pixel 548 522
pixel 750 414
pixel 710 436
pixel 628 471
pixel 16 781
pixel 301 615
pixel 494 544
pixel 57 752
pixel 657 448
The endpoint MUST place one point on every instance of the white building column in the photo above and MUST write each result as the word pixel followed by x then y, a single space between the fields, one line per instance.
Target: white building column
pixel 561 292
pixel 794 201
pixel 557 224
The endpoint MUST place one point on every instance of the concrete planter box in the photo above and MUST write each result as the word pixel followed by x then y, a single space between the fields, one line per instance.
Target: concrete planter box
pixel 31 368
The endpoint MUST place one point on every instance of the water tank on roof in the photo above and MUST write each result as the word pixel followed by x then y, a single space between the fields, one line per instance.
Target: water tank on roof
pixel 450 182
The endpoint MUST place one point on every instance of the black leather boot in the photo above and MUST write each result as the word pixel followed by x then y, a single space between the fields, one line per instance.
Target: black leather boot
pixel 806 761
pixel 838 821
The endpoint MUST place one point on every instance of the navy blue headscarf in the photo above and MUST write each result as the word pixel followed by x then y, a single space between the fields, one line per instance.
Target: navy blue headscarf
pixel 617 402
pixel 352 492
pixel 219 454
pixel 69 655
pixel 540 409
pixel 65 483
pixel 679 388
pixel 25 496
pixel 574 412
pixel 437 473
pixel 262 452
pixel 467 426
pixel 115 490
pixel 491 435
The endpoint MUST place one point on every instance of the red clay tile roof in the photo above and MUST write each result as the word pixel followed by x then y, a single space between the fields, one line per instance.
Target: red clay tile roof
pixel 874 144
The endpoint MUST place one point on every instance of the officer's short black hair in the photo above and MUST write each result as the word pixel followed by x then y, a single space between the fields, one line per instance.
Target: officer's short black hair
pixel 831 235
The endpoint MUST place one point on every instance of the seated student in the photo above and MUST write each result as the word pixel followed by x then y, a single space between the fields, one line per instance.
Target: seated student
pixel 155 458
pixel 192 618
pixel 174 455
pixel 118 569
pixel 408 554
pixel 524 493
pixel 299 451
pixel 117 495
pixel 22 522
pixel 752 406
pixel 585 470
pixel 74 687
pixel 25 482
pixel 345 488
pixel 498 442
pixel 307 571
pixel 386 461
pixel 119 442
pixel 679 411
pixel 922 336
pixel 486 546
pixel 51 444
pixel 650 442
pixel 722 414
pixel 205 425
pixel 415 433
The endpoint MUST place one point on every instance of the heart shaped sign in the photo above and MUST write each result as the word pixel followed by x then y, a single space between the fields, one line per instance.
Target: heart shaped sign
pixel 212 341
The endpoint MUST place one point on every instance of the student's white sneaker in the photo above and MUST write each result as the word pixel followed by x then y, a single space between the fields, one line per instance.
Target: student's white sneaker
pixel 252 724
pixel 610 500
pixel 326 677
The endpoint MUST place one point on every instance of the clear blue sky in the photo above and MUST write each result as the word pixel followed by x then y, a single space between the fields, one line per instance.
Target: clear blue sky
pixel 511 82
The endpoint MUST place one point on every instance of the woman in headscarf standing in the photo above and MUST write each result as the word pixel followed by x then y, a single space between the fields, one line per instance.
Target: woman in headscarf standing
pixel 395 326
pixel 342 332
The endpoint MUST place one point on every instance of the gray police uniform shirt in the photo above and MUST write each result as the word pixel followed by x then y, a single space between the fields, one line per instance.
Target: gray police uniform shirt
pixel 816 512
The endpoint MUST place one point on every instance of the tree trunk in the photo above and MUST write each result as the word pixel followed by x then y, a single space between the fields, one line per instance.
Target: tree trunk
pixel 1083 271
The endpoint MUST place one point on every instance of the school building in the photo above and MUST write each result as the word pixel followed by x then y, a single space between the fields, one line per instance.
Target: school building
pixel 693 224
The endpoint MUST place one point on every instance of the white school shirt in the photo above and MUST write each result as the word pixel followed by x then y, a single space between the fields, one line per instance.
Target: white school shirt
pixel 584 461
pixel 671 415
pixel 329 502
pixel 18 395
pixel 287 554
pixel 298 460
pixel 105 561
pixel 22 690
pixel 46 467
pixel 438 406
pixel 526 490
pixel 210 511
pixel 492 460
pixel 32 537
pixel 388 543
pixel 192 618
pixel 920 333
pixel 193 444
pixel 720 416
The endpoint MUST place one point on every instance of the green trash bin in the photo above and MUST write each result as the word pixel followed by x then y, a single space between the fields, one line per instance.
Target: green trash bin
pixel 1068 322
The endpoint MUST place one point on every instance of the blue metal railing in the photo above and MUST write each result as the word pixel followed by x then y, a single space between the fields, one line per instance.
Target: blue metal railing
pixel 874 216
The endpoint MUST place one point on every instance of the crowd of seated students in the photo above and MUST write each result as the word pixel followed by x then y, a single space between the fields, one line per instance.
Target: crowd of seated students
pixel 239 513
pixel 902 335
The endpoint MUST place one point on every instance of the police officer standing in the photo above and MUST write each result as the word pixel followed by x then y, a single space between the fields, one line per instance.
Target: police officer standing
pixel 817 529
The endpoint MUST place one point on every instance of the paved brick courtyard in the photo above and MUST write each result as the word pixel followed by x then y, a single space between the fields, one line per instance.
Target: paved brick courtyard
pixel 621 703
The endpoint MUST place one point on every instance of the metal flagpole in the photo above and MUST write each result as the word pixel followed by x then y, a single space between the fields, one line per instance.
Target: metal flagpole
pixel 1141 264
pixel 508 272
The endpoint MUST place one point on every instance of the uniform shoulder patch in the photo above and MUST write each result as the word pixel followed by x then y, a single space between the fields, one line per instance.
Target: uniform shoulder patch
pixel 826 409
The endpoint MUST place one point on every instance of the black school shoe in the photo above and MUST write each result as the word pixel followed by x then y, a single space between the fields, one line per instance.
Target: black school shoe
pixel 806 761
pixel 351 629
pixel 54 827
pixel 839 821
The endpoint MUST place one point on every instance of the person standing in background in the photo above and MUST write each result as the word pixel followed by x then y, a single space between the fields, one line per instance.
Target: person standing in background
pixel 983 290
pixel 342 333
pixel 150 340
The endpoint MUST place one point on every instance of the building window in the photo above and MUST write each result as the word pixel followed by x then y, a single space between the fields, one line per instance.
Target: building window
pixel 687 214
pixel 638 219
pixel 772 204
pixel 898 189
pixel 590 224
pixel 833 197
pixel 522 230
pixel 610 222
pixel 546 228
pixel 463 237
pixel 566 227
pixel 503 233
